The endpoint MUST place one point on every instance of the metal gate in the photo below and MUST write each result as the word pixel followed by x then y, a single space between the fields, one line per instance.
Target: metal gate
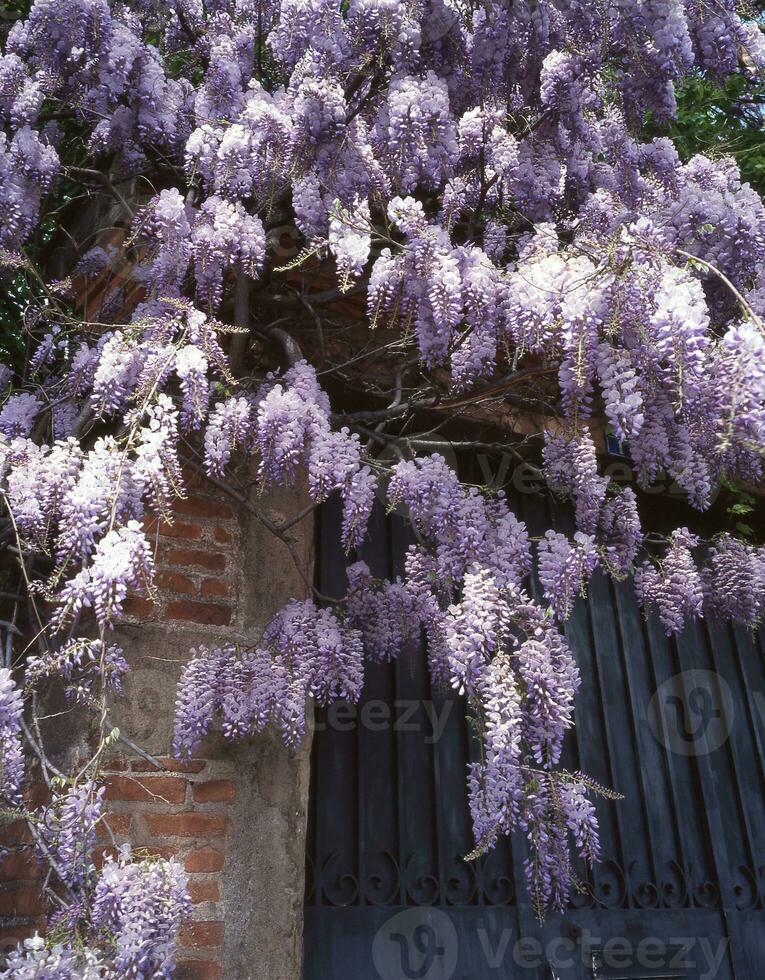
pixel 677 726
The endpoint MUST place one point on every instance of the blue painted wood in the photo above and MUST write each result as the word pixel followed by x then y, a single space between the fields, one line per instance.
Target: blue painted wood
pixel 680 891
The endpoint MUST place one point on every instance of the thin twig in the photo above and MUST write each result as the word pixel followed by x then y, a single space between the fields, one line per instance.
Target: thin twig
pixel 103 179
pixel 723 278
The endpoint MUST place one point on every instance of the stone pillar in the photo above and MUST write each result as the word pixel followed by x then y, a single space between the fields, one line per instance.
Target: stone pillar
pixel 237 814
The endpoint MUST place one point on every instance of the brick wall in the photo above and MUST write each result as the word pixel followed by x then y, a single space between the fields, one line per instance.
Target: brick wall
pixel 21 908
pixel 182 813
pixel 235 816
pixel 179 811
pixel 198 555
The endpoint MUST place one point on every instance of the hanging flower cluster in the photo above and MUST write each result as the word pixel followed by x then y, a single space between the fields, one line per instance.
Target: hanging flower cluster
pixel 142 904
pixel 305 652
pixel 491 641
pixel 124 918
pixel 675 586
pixel 733 582
pixel 479 174
pixel 68 831
pixel 386 613
pixel 293 428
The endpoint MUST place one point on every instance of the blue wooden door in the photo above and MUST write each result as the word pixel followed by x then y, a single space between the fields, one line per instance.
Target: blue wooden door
pixel 676 726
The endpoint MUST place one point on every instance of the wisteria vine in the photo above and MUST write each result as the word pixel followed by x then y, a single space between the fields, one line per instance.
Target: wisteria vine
pixel 524 259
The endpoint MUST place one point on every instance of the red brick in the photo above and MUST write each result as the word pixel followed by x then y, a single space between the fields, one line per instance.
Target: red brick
pixel 115 763
pixel 175 529
pixel 15 832
pixel 150 525
pixel 154 789
pixel 207 613
pixel 21 902
pixel 203 507
pixel 36 795
pixel 215 791
pixel 196 479
pixel 198 970
pixel 175 582
pixel 222 535
pixel 119 824
pixel 215 588
pixel 139 607
pixel 181 530
pixel 171 765
pixel 18 865
pixel 201 934
pixel 186 824
pixel 205 859
pixel 204 559
pixel 100 854
pixel 204 891
pixel 156 852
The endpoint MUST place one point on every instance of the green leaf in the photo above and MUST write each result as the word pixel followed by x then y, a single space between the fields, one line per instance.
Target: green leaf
pixel 741 508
